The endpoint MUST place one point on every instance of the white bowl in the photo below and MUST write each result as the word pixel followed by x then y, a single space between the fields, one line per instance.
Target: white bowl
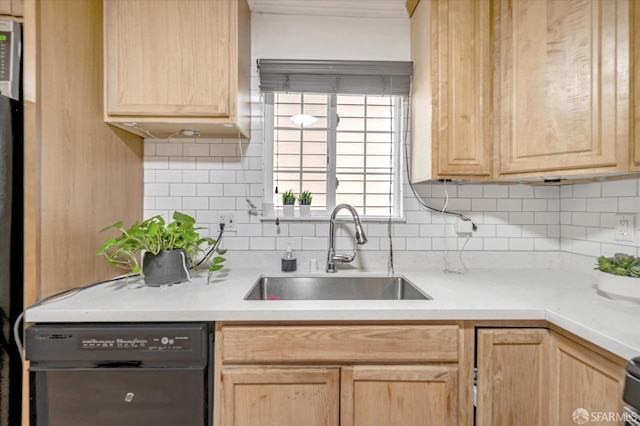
pixel 619 287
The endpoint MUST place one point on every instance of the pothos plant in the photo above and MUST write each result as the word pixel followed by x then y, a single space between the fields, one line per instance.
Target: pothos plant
pixel 625 265
pixel 154 235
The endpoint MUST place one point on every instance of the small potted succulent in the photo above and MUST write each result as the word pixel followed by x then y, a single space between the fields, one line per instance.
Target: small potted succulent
pixel 288 201
pixel 304 199
pixel 620 276
pixel 168 250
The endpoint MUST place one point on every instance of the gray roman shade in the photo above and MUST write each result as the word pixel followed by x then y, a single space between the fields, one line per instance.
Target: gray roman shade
pixel 342 77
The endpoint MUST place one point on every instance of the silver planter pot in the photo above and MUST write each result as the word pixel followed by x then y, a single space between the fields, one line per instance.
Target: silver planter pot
pixel 166 267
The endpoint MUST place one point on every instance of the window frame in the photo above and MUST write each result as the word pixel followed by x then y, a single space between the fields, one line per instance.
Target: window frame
pixel 400 109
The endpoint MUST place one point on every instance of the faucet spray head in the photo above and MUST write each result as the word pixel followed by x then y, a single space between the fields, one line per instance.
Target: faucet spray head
pixel 361 238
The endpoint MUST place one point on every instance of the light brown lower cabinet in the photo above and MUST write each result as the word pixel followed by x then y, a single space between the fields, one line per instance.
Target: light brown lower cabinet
pixel 537 377
pixel 583 379
pixel 347 396
pixel 413 374
pixel 512 377
pixel 399 396
pixel 280 396
pixel 339 374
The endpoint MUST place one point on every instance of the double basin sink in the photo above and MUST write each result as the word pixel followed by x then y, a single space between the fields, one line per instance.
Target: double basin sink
pixel 335 287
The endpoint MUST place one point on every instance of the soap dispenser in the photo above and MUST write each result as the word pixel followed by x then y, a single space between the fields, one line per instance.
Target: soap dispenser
pixel 289 262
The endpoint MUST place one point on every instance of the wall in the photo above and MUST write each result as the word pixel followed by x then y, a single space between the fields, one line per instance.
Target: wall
pixel 204 176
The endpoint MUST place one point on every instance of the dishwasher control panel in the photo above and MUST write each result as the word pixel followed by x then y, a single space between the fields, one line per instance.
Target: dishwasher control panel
pixel 143 342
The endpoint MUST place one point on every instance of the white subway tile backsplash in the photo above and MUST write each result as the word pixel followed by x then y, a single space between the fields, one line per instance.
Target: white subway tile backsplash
pixel 618 188
pixel 262 243
pixel 182 189
pixel 587 190
pixel 496 191
pixel 470 191
pixel 535 205
pixel 209 189
pixel 573 204
pixel 520 218
pixel 546 218
pixel 521 191
pixel 629 204
pixel 223 150
pixel 546 191
pixel 156 163
pixel 205 176
pixel 222 203
pixel 608 204
pixel 509 205
pixel 195 176
pixel 209 163
pixel 301 229
pixel 195 203
pixel 484 204
pixel 586 219
pixel 169 149
pixel 314 243
pixel 546 244
pixel 182 163
pixel 156 189
pixel 496 244
pixel 169 203
pixel 195 150
pixel 416 244
pixel 508 231
pixel 521 244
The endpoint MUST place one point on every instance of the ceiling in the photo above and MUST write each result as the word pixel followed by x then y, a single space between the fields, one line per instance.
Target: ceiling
pixel 351 8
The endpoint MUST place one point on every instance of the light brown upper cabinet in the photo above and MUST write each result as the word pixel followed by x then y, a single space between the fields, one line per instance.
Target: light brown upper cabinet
pixel 173 65
pixel 14 8
pixel 561 87
pixel 451 94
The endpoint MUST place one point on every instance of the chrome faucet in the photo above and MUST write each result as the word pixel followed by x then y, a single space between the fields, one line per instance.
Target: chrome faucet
pixel 361 238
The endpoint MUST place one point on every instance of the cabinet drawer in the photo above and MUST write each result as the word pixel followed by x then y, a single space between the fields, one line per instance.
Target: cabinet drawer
pixel 339 343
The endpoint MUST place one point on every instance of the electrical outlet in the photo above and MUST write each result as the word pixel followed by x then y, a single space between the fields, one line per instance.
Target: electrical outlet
pixel 464 228
pixel 229 220
pixel 625 227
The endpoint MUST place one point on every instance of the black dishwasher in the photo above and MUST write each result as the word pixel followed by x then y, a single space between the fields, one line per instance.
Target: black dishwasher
pixel 120 374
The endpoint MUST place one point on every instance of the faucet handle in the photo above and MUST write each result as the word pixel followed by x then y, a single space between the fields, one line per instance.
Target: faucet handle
pixel 343 258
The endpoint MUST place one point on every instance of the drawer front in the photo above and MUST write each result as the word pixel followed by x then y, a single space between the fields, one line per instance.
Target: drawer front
pixel 339 343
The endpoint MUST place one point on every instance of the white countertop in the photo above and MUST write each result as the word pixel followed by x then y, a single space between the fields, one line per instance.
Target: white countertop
pixel 564 298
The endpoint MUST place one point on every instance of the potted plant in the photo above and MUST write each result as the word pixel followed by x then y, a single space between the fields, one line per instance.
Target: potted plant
pixel 304 199
pixel 620 276
pixel 168 250
pixel 288 201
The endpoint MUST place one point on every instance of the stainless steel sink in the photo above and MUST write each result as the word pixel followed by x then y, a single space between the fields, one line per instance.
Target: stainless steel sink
pixel 335 288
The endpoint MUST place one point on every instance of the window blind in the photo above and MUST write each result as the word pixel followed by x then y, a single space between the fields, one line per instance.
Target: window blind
pixel 336 77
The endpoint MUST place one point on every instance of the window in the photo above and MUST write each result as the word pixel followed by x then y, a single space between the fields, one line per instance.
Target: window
pixel 349 150
pixel 350 154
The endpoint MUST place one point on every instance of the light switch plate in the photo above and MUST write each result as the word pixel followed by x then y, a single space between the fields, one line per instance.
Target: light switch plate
pixel 625 227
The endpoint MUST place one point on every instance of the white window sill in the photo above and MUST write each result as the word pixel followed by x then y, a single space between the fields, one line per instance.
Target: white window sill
pixel 325 218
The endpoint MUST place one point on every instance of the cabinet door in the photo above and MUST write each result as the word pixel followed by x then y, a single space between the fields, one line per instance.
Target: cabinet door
pixel 582 379
pixel 169 58
pixel 562 86
pixel 451 125
pixel 512 377
pixel 280 396
pixel 399 396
